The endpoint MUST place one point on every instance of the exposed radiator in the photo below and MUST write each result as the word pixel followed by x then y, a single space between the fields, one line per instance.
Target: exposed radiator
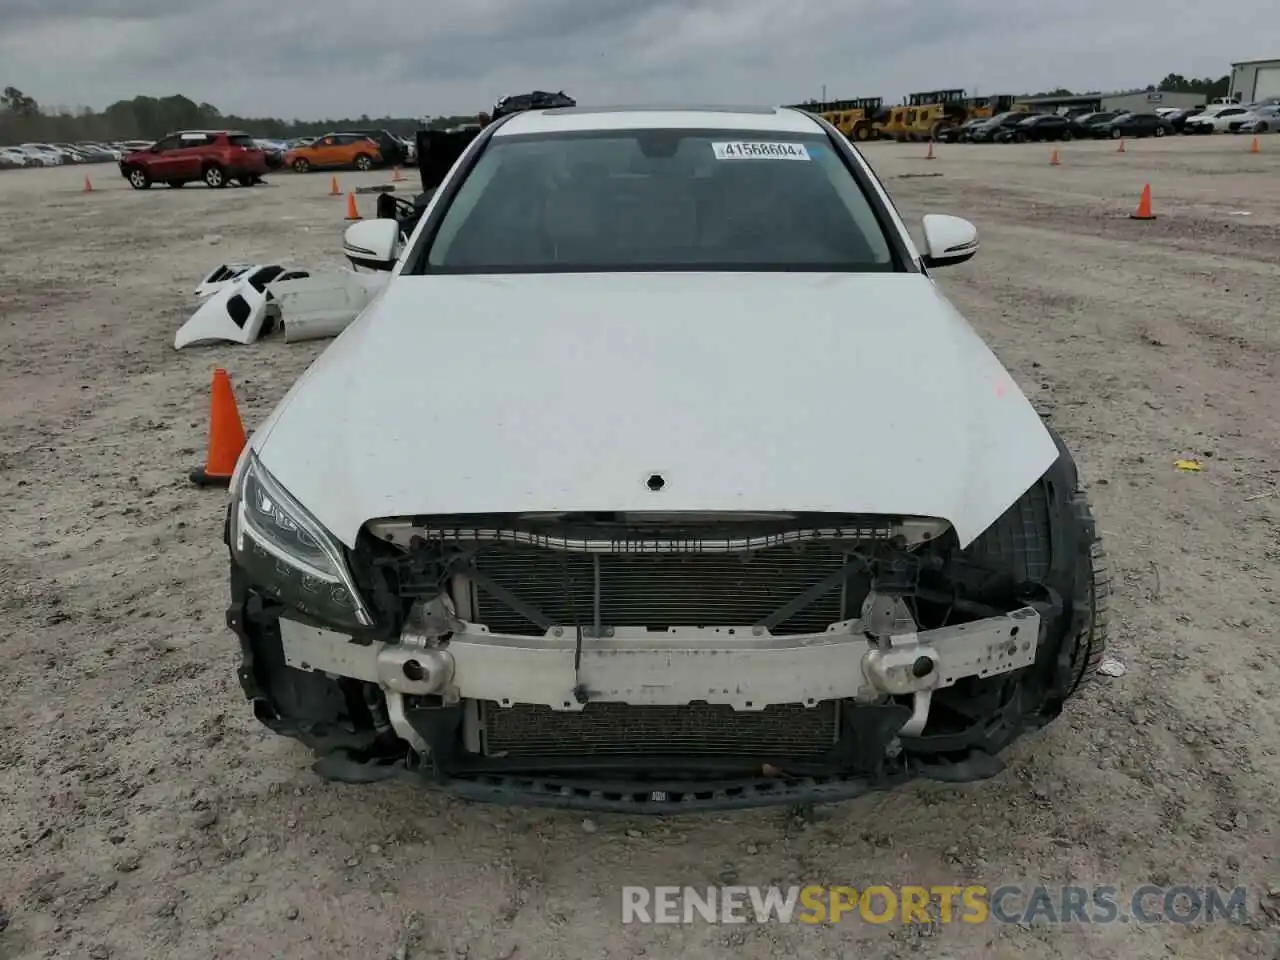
pixel 660 591
pixel 786 731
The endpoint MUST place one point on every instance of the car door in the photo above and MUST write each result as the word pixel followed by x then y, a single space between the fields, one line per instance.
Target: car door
pixel 1051 127
pixel 163 162
pixel 324 151
pixel 188 158
pixel 348 145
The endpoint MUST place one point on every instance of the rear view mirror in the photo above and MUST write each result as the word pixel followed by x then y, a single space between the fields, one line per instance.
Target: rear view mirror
pixel 372 244
pixel 948 240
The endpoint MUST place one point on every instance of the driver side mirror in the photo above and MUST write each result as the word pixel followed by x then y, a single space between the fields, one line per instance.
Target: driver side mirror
pixel 948 240
pixel 372 243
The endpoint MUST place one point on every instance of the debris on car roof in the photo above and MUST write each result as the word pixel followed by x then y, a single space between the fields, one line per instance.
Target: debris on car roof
pixel 534 100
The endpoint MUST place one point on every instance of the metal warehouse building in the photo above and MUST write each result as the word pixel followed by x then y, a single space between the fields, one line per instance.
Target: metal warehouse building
pixel 1255 80
pixel 1139 101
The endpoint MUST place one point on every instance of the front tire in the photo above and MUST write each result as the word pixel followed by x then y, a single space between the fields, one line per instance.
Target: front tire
pixel 214 177
pixel 1067 135
pixel 138 179
pixel 364 162
pixel 301 165
pixel 1116 133
pixel 1159 131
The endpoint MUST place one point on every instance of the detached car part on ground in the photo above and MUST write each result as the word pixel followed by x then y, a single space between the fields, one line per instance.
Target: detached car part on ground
pixel 645 519
pixel 242 302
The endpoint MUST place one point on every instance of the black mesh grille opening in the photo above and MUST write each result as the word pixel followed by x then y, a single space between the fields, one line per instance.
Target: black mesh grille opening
pixel 661 591
pixel 616 730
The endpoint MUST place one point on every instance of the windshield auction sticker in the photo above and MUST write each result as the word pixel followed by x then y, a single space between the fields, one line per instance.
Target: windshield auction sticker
pixel 758 150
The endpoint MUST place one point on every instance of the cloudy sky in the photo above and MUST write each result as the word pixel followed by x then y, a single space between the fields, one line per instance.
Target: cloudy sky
pixel 331 58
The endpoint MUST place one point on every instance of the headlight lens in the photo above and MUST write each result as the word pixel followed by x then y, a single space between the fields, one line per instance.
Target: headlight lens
pixel 289 554
pixel 282 525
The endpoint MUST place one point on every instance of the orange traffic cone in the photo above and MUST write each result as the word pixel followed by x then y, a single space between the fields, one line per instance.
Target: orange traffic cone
pixel 353 212
pixel 1144 206
pixel 395 175
pixel 333 188
pixel 1053 158
pixel 1120 149
pixel 88 187
pixel 226 435
pixel 1255 147
pixel 929 155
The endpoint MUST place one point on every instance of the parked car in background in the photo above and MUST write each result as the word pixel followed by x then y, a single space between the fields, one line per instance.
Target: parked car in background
pixel 44 152
pixel 1215 119
pixel 212 156
pixel 1086 121
pixel 1133 125
pixel 274 151
pixel 986 132
pixel 961 133
pixel 391 148
pixel 12 158
pixel 97 152
pixel 1041 126
pixel 1259 119
pixel 335 150
pixel 1180 115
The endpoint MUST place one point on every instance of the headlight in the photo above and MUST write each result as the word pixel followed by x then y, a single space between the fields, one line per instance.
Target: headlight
pixel 288 554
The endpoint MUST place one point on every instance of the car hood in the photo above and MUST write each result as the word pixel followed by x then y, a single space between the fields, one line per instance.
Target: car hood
pixel 859 393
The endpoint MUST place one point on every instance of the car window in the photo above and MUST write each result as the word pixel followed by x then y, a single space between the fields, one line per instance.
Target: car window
pixel 242 140
pixel 659 199
pixel 169 143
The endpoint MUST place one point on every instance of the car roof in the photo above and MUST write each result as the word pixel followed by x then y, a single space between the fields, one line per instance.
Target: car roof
pixel 576 119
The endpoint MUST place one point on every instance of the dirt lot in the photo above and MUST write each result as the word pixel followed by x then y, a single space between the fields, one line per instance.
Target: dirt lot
pixel 145 815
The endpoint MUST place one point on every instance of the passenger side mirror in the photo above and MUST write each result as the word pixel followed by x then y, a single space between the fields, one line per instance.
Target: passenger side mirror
pixel 372 244
pixel 948 240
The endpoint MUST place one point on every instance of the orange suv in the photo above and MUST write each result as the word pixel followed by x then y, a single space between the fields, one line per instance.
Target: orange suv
pixel 213 156
pixel 335 150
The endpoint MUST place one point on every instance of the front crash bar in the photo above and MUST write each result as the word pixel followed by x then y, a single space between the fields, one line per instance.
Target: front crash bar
pixel 745 667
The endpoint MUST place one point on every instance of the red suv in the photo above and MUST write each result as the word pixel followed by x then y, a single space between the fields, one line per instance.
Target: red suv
pixel 214 156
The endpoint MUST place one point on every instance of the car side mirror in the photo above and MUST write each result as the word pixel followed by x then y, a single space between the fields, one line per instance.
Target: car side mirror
pixel 948 240
pixel 372 243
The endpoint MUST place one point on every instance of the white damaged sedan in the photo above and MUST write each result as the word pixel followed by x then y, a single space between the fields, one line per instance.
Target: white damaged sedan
pixel 660 476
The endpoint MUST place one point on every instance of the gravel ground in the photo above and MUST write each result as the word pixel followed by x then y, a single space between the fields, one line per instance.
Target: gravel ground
pixel 146 815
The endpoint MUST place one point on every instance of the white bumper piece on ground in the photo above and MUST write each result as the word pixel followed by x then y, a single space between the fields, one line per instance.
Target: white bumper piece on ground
pixel 323 305
pixel 239 298
pixel 744 667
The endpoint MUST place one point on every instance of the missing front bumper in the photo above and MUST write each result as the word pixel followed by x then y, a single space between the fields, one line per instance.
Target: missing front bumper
pixel 742 667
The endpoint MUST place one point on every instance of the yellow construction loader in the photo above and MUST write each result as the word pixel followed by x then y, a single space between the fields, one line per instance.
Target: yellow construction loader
pixel 853 118
pixel 928 115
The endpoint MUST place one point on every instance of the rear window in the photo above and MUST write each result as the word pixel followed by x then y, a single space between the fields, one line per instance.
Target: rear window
pixel 242 140
pixel 659 200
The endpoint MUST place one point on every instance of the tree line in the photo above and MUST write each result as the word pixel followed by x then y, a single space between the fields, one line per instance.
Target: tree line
pixel 23 120
pixel 1172 83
